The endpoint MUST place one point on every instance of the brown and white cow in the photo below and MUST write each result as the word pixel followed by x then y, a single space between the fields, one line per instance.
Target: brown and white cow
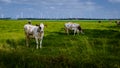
pixel 36 32
pixel 73 26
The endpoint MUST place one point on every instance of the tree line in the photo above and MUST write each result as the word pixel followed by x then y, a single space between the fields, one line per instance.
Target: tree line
pixel 57 19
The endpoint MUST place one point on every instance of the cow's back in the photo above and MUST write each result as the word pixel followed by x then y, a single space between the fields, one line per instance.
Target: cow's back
pixel 68 25
pixel 28 28
pixel 71 26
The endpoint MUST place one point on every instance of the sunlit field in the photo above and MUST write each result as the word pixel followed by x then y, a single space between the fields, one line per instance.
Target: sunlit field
pixel 99 47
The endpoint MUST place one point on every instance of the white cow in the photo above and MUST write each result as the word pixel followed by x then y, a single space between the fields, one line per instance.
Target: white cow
pixel 118 23
pixel 36 32
pixel 73 26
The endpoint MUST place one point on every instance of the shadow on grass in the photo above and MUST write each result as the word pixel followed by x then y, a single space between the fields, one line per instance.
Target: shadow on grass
pixel 114 27
pixel 28 59
pixel 21 42
pixel 62 39
pixel 96 33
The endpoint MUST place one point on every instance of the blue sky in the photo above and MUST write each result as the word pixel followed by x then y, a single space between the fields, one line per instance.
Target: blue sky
pixel 60 8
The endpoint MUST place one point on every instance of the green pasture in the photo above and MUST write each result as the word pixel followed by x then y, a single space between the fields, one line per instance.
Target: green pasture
pixel 99 47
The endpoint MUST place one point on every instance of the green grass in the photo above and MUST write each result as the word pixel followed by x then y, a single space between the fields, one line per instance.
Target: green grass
pixel 99 47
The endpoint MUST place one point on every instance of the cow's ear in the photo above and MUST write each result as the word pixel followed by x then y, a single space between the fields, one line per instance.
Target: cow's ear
pixel 37 25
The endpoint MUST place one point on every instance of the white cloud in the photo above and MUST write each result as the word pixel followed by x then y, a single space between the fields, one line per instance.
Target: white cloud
pixel 56 7
pixel 6 1
pixel 114 1
pixel 51 7
pixel 88 6
pixel 60 4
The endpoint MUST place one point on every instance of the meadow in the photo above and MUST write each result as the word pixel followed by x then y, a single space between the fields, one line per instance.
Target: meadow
pixel 99 47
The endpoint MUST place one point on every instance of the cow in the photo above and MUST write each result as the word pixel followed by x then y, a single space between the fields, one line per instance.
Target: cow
pixel 118 23
pixel 32 31
pixel 73 26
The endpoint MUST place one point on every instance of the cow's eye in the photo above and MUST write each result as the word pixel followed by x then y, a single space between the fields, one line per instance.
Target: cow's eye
pixel 39 27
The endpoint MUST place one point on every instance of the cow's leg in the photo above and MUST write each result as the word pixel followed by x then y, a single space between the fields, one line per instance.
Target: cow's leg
pixel 27 40
pixel 36 42
pixel 40 43
pixel 77 32
pixel 74 32
pixel 67 31
pixel 41 40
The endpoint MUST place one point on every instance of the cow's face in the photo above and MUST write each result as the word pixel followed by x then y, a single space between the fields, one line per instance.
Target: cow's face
pixel 41 27
pixel 79 28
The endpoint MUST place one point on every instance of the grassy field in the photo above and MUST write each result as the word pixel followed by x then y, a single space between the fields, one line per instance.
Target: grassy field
pixel 99 47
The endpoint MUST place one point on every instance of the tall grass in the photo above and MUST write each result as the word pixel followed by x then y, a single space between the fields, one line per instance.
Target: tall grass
pixel 99 47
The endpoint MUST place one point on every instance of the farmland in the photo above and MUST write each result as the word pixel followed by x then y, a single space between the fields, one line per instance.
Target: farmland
pixel 99 47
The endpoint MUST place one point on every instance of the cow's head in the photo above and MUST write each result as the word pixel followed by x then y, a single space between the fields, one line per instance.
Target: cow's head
pixel 80 29
pixel 40 28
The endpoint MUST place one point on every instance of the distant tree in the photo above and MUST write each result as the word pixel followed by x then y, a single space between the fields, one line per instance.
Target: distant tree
pixel 99 21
